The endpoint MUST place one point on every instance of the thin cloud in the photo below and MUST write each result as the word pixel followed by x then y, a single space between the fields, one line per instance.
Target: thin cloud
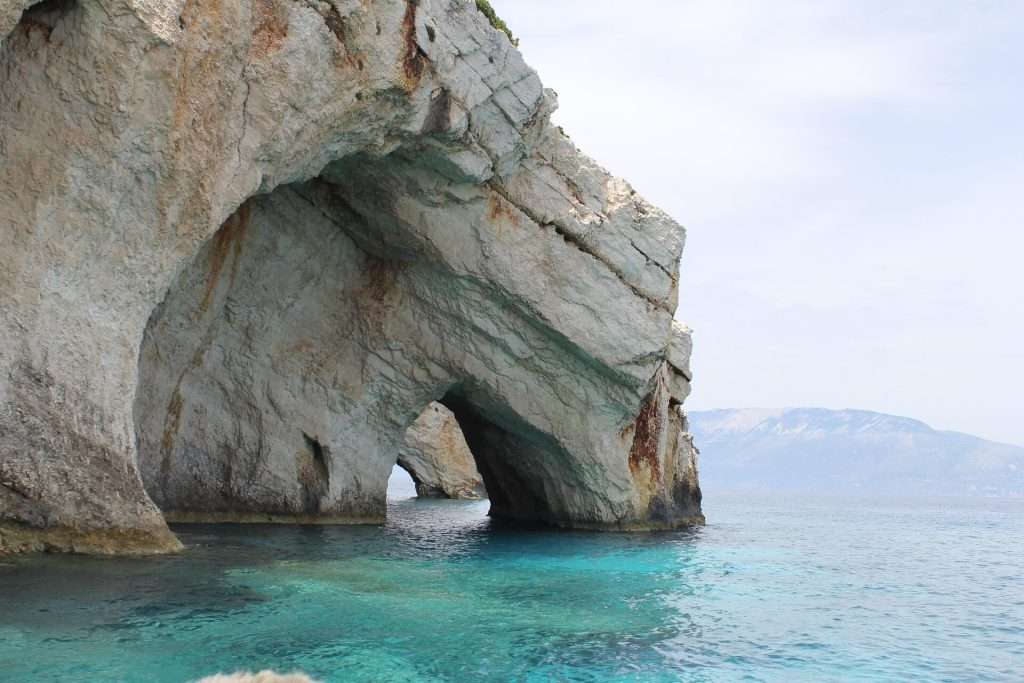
pixel 848 174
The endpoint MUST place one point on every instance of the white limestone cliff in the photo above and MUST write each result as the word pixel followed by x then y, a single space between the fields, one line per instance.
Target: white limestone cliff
pixel 246 242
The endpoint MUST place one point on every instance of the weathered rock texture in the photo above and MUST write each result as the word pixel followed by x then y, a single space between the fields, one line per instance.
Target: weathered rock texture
pixel 436 456
pixel 10 13
pixel 247 242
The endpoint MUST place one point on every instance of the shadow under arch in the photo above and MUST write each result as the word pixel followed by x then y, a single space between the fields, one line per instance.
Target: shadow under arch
pixel 520 465
pixel 280 374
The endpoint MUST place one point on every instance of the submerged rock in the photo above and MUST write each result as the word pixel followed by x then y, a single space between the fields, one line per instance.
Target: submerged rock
pixel 436 456
pixel 259 677
pixel 247 242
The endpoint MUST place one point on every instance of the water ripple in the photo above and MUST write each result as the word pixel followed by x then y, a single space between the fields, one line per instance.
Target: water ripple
pixel 770 590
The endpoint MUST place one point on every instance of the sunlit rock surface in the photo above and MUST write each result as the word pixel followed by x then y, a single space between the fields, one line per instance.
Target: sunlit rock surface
pixel 247 243
pixel 436 456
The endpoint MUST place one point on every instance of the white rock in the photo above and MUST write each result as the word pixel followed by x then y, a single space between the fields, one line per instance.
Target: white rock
pixel 436 456
pixel 347 212
pixel 259 677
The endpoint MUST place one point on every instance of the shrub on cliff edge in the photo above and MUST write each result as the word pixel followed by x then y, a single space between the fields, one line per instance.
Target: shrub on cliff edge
pixel 485 7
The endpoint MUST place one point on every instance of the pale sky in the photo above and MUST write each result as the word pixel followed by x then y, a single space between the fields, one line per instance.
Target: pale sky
pixel 851 177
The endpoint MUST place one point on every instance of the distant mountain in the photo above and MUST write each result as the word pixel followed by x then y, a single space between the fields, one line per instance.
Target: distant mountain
pixel 855 451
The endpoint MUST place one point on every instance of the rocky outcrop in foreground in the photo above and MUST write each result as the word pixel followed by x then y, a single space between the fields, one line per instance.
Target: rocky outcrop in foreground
pixel 246 243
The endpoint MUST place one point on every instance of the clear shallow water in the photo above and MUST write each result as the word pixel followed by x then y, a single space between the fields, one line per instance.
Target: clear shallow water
pixel 773 590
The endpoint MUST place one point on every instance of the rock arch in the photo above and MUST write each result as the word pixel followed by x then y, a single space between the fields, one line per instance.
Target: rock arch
pixel 404 149
pixel 438 459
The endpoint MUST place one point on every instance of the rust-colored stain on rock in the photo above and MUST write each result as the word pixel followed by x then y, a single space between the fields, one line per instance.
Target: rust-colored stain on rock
pixel 499 209
pixel 172 423
pixel 379 293
pixel 271 27
pixel 228 240
pixel 381 278
pixel 413 59
pixel 646 434
pixel 173 420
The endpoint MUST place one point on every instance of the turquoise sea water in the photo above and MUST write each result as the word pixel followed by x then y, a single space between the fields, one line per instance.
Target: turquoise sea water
pixel 773 589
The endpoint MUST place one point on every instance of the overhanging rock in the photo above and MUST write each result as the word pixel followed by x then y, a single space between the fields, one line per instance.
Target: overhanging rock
pixel 246 243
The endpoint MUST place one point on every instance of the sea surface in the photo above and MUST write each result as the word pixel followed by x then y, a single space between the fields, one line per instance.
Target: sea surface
pixel 772 589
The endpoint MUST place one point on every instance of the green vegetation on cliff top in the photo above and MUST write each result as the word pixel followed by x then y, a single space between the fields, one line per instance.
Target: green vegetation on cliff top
pixel 485 7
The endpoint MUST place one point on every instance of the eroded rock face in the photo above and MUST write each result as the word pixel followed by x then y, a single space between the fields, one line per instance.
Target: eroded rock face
pixel 436 456
pixel 247 242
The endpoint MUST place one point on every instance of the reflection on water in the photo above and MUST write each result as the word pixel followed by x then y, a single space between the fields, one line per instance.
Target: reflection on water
pixel 769 590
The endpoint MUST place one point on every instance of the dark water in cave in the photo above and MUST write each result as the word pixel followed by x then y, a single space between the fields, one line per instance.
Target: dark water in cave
pixel 772 589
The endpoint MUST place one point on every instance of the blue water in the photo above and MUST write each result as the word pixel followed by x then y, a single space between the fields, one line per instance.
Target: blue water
pixel 771 590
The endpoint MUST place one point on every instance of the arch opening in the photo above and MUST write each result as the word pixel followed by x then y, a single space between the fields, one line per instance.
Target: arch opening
pixel 332 312
pixel 287 370
pixel 438 459
pixel 401 485
pixel 527 474
pixel 289 356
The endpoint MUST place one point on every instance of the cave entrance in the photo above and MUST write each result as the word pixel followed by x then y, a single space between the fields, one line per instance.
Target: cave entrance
pixel 527 474
pixel 401 485
pixel 292 364
pixel 437 458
